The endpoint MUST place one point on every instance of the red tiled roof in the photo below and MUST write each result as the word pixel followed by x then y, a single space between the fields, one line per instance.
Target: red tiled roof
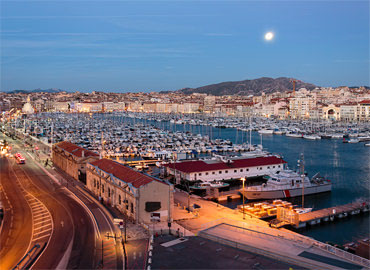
pixel 123 172
pixel 365 101
pixel 201 166
pixel 75 149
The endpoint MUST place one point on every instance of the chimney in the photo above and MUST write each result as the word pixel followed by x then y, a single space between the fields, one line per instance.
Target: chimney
pixel 83 153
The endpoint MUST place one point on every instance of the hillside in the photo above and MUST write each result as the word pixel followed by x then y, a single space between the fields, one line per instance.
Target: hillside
pixel 249 87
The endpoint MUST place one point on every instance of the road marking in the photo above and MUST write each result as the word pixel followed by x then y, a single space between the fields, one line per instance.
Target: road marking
pixel 39 215
pixel 43 226
pixel 42 232
pixel 38 210
pixel 43 221
pixel 38 238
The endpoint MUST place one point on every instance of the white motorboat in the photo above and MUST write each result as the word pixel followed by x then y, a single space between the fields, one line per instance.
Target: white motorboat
pixel 293 135
pixel 312 137
pixel 266 131
pixel 287 184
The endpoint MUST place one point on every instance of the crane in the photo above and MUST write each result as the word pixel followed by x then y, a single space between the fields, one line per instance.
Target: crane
pixel 294 82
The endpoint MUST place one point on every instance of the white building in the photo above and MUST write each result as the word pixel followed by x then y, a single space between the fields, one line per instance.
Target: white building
pixel 222 169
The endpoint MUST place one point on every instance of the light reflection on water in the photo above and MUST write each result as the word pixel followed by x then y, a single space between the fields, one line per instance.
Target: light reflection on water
pixel 347 165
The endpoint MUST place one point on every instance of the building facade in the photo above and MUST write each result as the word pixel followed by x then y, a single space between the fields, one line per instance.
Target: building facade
pixel 141 197
pixel 224 169
pixel 72 159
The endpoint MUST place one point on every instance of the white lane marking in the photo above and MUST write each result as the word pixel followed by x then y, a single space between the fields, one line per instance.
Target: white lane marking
pixel 89 212
pixel 43 226
pixel 38 238
pixel 38 210
pixel 34 203
pixel 43 221
pixel 39 215
pixel 42 232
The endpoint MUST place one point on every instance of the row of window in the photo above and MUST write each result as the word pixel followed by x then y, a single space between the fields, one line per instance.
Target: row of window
pixel 96 184
pixel 241 170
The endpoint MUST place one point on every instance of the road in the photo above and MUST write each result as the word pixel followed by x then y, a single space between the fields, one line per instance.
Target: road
pixel 66 220
pixel 38 211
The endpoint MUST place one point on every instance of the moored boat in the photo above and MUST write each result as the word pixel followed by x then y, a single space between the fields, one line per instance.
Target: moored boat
pixel 287 184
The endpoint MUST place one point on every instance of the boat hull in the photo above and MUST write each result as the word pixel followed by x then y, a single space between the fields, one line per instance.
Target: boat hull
pixel 286 193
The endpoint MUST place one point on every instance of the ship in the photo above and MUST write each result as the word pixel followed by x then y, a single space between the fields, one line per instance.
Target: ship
pixel 287 184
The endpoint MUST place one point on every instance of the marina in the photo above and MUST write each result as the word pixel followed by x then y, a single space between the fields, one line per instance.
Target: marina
pixel 347 185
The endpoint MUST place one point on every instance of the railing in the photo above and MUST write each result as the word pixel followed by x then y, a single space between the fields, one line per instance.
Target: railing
pixel 304 241
pixel 30 256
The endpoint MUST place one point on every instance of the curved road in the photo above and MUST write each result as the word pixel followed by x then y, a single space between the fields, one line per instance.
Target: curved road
pixel 29 196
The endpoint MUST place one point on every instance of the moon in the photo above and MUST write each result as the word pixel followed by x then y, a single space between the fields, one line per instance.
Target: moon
pixel 269 36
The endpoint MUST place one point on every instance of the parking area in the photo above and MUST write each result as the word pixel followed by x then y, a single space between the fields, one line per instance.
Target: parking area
pixel 201 253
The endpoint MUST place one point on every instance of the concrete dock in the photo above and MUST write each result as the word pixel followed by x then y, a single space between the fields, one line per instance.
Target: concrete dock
pixel 333 213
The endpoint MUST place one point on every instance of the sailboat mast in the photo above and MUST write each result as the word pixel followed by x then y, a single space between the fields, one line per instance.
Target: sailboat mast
pixel 303 177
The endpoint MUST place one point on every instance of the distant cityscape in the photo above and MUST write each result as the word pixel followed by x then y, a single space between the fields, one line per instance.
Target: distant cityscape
pixel 339 104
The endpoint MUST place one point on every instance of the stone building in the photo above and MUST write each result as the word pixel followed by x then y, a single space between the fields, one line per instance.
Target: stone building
pixel 143 198
pixel 72 159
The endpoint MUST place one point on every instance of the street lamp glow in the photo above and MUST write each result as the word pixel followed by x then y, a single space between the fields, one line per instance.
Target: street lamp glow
pixel 269 36
pixel 243 179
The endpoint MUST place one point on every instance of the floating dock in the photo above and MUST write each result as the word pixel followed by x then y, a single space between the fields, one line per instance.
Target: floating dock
pixel 332 213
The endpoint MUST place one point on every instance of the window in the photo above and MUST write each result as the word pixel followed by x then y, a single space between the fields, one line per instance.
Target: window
pixel 206 173
pixel 241 170
pixel 273 167
pixel 119 199
pixel 268 167
pixel 132 208
pixel 226 171
pixel 213 172
pixel 278 166
pixel 94 182
pixel 102 188
pixel 247 170
pixel 200 174
pixel 108 192
pixel 235 171
pixel 220 172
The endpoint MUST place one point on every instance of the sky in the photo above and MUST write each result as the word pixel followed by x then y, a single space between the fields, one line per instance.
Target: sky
pixel 130 46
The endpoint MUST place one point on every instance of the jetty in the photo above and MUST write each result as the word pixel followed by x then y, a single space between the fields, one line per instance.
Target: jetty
pixel 289 217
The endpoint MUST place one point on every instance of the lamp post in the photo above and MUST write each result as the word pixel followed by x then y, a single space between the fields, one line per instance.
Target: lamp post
pixel 243 179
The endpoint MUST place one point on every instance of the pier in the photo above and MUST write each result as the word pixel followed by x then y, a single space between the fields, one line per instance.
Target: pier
pixel 141 162
pixel 286 216
pixel 224 196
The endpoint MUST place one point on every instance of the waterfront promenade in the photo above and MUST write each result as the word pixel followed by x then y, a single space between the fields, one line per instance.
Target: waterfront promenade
pixel 227 226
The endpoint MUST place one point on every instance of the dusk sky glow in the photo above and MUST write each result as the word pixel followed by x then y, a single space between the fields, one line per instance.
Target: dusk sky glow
pixel 167 45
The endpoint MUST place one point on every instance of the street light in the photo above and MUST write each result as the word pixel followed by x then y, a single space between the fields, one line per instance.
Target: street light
pixel 243 179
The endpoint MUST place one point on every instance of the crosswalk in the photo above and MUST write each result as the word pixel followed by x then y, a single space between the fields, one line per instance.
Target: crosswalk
pixel 42 222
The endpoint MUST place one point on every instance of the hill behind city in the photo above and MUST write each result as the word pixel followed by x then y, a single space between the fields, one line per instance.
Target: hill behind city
pixel 249 87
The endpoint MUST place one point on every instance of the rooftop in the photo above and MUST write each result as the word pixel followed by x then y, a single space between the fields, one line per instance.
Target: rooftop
pixel 202 166
pixel 75 149
pixel 122 172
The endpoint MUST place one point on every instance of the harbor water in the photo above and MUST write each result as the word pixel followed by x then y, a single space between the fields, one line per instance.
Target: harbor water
pixel 346 165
